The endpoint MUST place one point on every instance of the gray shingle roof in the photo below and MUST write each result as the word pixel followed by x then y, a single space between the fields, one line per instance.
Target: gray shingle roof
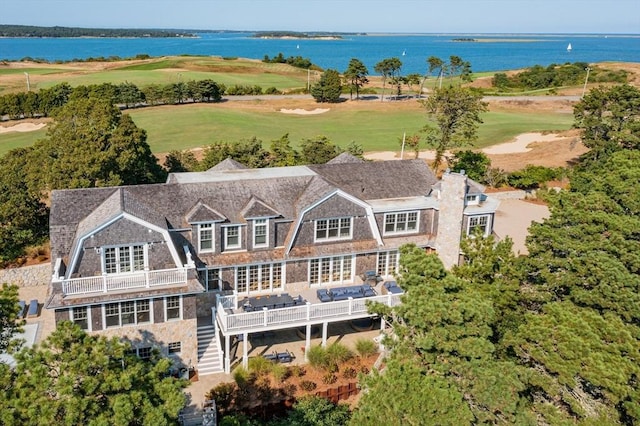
pixel 234 194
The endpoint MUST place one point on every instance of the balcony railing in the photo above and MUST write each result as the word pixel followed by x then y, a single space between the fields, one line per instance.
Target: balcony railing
pixel 234 323
pixel 113 283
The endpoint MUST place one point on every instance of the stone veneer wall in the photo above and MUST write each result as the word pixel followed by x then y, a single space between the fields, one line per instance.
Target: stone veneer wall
pixel 452 199
pixel 27 276
pixel 160 335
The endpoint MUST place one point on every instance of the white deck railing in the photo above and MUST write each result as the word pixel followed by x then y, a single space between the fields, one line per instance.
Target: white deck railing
pixel 234 323
pixel 112 283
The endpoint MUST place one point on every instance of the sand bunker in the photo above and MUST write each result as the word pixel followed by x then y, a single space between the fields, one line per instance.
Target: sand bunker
pixel 301 111
pixel 521 143
pixel 22 127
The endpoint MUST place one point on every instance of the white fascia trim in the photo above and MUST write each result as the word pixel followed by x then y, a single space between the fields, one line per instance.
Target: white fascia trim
pixel 372 220
pixel 164 232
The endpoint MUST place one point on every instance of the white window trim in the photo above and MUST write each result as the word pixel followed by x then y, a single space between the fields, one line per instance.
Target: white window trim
pixel 89 325
pixel 327 238
pixel 212 227
pixel 472 200
pixel 265 223
pixel 270 284
pixel 414 231
pixel 103 260
pixel 226 238
pixel 135 314
pixel 478 216
pixel 343 279
pixel 166 317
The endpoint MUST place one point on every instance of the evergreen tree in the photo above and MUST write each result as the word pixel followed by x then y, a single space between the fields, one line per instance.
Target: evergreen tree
pixel 329 87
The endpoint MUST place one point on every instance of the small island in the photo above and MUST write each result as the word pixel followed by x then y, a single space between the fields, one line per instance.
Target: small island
pixel 467 40
pixel 297 35
pixel 28 31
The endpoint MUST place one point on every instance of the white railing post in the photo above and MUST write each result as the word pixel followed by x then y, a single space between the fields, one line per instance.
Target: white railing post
pixel 350 305
pixel 104 282
pixel 146 277
pixel 308 311
pixel 264 312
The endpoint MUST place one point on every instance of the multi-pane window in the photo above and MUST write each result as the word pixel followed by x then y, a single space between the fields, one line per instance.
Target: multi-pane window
pixel 212 278
pixel 328 270
pixel 143 312
pixel 241 279
pixel 205 237
pixel 123 259
pixel 127 313
pixel 144 353
pixel 472 199
pixel 232 237
pixel 173 307
pixel 333 229
pixel 265 277
pixel 400 223
pixel 80 316
pixel 112 314
pixel 175 347
pixel 260 233
pixel 478 222
pixel 388 263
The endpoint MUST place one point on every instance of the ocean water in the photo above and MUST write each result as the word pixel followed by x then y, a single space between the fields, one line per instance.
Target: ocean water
pixel 494 52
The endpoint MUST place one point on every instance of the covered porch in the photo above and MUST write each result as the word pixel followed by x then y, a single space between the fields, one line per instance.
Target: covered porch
pixel 232 322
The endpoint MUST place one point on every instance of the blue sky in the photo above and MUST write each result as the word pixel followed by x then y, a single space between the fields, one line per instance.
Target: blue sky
pixel 405 16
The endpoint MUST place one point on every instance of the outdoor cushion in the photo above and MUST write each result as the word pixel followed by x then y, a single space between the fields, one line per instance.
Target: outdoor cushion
pixel 33 308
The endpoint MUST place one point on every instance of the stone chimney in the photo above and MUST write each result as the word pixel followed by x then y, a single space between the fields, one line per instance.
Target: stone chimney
pixel 453 189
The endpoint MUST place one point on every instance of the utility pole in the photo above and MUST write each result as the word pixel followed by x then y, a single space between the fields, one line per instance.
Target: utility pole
pixel 28 85
pixel 584 89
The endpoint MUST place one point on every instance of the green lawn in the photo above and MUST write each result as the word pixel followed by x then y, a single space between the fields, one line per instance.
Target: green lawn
pixel 189 126
pixel 12 140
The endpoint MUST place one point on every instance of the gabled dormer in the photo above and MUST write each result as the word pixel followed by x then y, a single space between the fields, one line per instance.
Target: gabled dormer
pixel 203 219
pixel 259 216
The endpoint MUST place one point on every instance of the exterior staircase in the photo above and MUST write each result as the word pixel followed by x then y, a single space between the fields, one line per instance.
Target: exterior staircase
pixel 209 360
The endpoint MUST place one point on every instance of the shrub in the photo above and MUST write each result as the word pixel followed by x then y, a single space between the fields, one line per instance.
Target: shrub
pixel 532 177
pixel 280 372
pixel 307 385
pixel 318 357
pixel 260 365
pixel 289 390
pixel 271 91
pixel 222 395
pixel 349 373
pixel 366 347
pixel 364 369
pixel 297 370
pixel 329 378
pixel 339 353
pixel 242 376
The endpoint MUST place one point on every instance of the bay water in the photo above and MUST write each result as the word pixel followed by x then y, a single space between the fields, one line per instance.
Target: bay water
pixel 490 52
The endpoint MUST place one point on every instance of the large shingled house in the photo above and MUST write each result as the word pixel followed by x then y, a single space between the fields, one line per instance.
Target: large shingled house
pixel 168 266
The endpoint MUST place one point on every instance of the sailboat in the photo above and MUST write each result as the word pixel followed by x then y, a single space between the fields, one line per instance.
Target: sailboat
pixel 569 48
pixel 404 52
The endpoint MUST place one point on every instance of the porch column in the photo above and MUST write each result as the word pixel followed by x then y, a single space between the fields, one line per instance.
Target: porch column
pixel 245 352
pixel 324 334
pixel 383 323
pixel 307 345
pixel 227 360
